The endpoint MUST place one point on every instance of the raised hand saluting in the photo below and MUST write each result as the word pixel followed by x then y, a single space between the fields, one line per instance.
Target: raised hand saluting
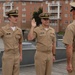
pixel 33 23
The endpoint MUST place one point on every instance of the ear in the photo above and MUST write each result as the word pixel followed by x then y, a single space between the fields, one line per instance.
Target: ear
pixel 9 18
pixel 41 20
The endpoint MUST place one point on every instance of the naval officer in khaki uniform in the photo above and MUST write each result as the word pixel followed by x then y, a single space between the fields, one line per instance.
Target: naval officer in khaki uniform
pixel 46 43
pixel 69 41
pixel 12 38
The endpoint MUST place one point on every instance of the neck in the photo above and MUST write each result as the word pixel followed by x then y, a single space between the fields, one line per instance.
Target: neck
pixel 12 24
pixel 74 18
pixel 46 26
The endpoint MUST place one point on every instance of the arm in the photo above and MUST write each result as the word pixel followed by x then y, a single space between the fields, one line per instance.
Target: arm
pixel 54 51
pixel 54 47
pixel 20 50
pixel 31 33
pixel 69 52
pixel 20 46
pixel 68 41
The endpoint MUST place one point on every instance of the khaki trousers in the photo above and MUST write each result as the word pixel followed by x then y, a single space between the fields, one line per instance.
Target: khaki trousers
pixel 43 63
pixel 73 63
pixel 10 63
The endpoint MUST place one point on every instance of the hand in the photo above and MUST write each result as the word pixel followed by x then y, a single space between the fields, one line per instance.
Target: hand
pixel 20 58
pixel 53 58
pixel 69 67
pixel 33 23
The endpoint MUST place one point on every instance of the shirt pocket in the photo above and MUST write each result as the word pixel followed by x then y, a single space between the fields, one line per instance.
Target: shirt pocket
pixel 8 35
pixel 52 35
pixel 18 36
pixel 42 34
pixel 41 37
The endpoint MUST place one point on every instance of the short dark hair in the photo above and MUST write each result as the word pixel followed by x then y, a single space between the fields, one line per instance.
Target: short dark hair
pixel 72 8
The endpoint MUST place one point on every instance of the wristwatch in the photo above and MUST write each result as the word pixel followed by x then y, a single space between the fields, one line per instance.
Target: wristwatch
pixel 54 54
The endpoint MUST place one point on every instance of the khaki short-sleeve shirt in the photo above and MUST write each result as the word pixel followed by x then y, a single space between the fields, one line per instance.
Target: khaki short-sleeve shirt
pixel 69 34
pixel 45 38
pixel 1 32
pixel 11 38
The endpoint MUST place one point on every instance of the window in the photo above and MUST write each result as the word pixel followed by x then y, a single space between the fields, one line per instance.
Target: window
pixel 23 21
pixel 23 15
pixel 53 2
pixel 70 15
pixel 66 22
pixel 30 2
pixel 23 3
pixel 66 8
pixel 6 21
pixel 23 9
pixel 57 1
pixel 66 1
pixel 66 15
pixel 46 2
pixel 17 8
pixel 6 7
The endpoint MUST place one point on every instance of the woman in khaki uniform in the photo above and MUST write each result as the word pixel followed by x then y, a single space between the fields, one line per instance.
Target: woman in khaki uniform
pixel 46 43
pixel 69 41
pixel 12 38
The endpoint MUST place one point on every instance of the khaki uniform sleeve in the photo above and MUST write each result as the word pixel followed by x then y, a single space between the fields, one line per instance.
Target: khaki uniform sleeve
pixel 21 38
pixel 35 33
pixel 1 32
pixel 54 38
pixel 68 37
